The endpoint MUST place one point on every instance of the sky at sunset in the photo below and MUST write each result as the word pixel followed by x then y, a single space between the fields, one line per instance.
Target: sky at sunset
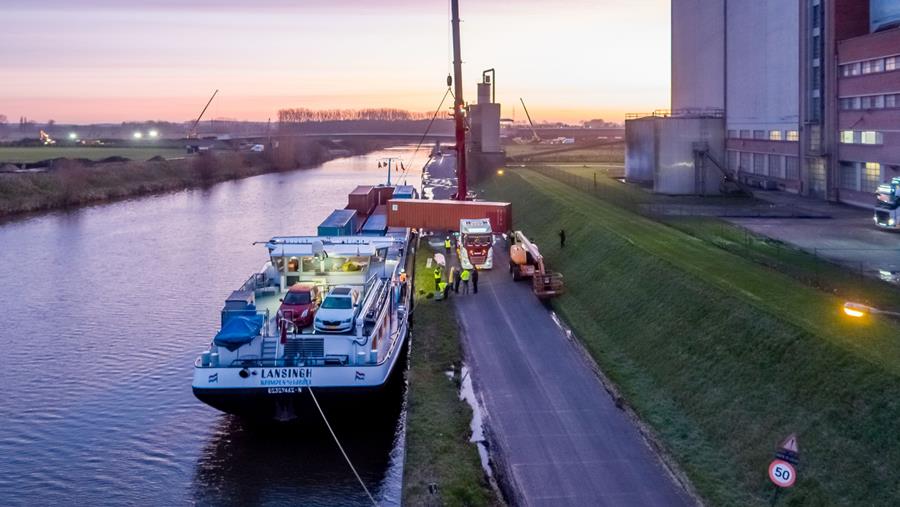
pixel 80 61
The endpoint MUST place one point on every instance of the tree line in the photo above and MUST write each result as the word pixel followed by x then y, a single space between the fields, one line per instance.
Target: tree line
pixel 302 115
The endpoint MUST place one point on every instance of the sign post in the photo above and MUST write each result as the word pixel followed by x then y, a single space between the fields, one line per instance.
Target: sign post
pixel 782 470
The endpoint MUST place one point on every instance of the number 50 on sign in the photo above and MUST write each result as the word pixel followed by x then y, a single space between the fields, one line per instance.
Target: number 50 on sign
pixel 782 473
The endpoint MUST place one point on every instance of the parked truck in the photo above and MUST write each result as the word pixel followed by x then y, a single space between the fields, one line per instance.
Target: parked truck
pixel 526 261
pixel 475 246
pixel 887 201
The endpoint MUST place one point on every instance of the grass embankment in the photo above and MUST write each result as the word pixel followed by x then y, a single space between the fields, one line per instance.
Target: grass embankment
pixel 70 183
pixel 605 151
pixel 720 355
pixel 801 265
pixel 27 154
pixel 438 450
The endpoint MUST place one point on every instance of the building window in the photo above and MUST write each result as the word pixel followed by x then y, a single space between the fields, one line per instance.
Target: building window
pixel 878 102
pixel 870 137
pixel 847 136
pixel 866 102
pixel 733 160
pixel 856 103
pixel 759 134
pixel 745 162
pixel 891 63
pixel 793 135
pixel 745 134
pixel 792 168
pixel 774 135
pixel 776 168
pixel 855 69
pixel 849 175
pixel 890 101
pixel 871 177
pixel 878 65
pixel 759 163
pixel 732 134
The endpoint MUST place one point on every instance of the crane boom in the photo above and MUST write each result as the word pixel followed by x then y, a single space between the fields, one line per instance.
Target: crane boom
pixel 461 185
pixel 533 132
pixel 193 132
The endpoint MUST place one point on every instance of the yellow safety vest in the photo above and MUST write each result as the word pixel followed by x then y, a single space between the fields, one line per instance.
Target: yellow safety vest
pixel 446 243
pixel 437 273
pixel 465 275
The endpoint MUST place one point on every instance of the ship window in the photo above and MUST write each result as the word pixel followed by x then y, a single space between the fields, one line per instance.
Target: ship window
pixel 293 264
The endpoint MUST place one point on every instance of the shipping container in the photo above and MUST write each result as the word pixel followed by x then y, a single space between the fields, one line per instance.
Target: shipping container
pixel 382 194
pixel 376 224
pixel 445 214
pixel 362 199
pixel 341 222
pixel 404 192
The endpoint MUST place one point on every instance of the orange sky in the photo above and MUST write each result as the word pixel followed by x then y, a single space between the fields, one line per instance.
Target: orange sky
pixel 106 60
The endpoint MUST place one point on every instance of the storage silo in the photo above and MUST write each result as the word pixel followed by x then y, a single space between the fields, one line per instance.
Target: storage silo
pixel 640 149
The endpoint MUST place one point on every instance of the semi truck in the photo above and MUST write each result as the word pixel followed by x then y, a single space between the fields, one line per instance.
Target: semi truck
pixel 887 201
pixel 475 246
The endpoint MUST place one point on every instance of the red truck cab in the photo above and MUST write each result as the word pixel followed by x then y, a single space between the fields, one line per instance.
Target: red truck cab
pixel 300 304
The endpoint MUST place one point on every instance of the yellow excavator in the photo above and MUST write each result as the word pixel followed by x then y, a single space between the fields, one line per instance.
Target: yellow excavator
pixel 526 261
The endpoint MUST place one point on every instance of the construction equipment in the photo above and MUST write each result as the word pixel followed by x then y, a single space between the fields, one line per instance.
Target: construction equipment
pixel 526 261
pixel 193 133
pixel 887 200
pixel 535 137
pixel 462 191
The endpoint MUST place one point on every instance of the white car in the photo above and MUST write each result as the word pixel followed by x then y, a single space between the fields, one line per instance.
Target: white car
pixel 337 311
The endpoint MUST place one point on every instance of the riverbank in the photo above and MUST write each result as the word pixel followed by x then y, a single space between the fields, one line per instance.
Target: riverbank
pixel 72 183
pixel 721 356
pixel 442 466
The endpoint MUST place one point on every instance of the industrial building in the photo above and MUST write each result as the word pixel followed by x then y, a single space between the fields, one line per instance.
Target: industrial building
pixel 484 151
pixel 809 91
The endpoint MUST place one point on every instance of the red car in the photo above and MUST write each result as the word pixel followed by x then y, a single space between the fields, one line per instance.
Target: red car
pixel 300 303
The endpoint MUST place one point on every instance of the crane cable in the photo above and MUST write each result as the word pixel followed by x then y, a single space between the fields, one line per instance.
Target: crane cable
pixel 425 134
pixel 358 478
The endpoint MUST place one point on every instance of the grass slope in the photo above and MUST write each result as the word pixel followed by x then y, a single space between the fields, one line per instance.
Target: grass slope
pixel 438 450
pixel 21 154
pixel 722 356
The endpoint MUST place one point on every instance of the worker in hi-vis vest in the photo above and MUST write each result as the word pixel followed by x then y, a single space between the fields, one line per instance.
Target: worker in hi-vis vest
pixel 447 245
pixel 437 277
pixel 466 274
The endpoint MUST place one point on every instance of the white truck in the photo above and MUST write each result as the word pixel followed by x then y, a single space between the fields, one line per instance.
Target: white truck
pixel 475 245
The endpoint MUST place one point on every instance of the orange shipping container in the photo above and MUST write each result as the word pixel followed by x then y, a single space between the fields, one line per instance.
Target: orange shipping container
pixel 445 214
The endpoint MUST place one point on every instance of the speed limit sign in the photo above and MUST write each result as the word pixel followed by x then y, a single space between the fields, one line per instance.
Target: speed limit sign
pixel 782 473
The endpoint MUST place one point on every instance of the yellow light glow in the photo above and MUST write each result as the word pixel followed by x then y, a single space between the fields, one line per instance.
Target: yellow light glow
pixel 857 310
pixel 854 313
pixel 500 172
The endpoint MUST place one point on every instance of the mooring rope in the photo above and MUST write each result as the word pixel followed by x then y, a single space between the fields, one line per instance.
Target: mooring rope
pixel 338 442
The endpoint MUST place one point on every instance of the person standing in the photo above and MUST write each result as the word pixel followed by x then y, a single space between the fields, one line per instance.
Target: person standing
pixel 437 277
pixel 475 281
pixel 465 280
pixel 562 238
pixel 447 247
pixel 457 277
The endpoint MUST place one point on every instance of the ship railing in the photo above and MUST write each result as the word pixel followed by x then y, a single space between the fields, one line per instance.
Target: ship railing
pixel 329 360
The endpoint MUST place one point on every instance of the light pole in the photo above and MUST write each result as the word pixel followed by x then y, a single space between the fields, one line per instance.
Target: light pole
pixel 858 310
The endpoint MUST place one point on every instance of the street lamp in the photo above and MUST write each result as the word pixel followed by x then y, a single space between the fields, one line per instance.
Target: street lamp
pixel 860 310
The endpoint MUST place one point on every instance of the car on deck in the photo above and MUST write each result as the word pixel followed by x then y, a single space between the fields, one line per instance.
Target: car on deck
pixel 300 304
pixel 338 310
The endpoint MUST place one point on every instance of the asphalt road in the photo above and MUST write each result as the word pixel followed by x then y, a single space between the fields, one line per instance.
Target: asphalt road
pixel 555 432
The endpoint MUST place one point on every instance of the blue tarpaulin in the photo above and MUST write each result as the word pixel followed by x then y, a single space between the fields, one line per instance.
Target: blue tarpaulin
pixel 239 331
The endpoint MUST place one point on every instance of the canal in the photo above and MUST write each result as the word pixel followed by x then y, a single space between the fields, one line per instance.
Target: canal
pixel 104 310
